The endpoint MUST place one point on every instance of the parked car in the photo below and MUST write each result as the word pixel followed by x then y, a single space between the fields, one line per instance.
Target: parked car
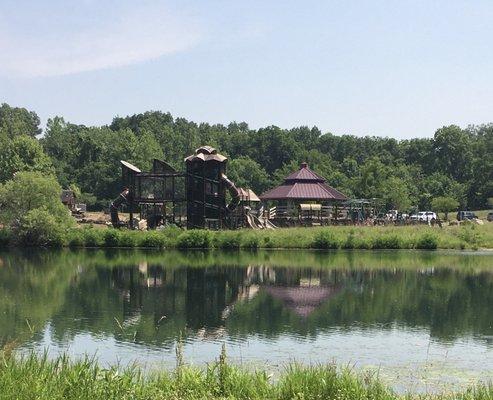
pixel 489 217
pixel 424 216
pixel 466 215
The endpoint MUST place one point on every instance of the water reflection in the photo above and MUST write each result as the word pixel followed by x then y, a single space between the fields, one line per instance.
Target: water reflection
pixel 153 299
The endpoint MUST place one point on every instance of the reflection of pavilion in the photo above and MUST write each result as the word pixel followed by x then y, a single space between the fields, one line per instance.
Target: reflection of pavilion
pixel 302 300
pixel 301 295
pixel 203 299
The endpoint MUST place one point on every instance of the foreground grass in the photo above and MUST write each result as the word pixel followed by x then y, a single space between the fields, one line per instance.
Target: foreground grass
pixel 335 237
pixel 37 377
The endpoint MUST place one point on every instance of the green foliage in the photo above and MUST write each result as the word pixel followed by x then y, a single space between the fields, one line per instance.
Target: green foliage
pixel 194 239
pixel 152 239
pixel 127 239
pixel 15 121
pixel 388 241
pixel 395 194
pixel 29 191
pixel 38 227
pixel 471 234
pixel 227 240
pixel 250 241
pixel 76 190
pixel 325 239
pixel 30 206
pixel 455 163
pixel 87 198
pixel 90 156
pixel 247 173
pixel 75 238
pixel 111 237
pixel 444 204
pixel 38 377
pixel 5 237
pixel 427 241
pixel 93 237
pixel 22 153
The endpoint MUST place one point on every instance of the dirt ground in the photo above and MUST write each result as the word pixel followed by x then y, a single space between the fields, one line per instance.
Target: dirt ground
pixel 99 218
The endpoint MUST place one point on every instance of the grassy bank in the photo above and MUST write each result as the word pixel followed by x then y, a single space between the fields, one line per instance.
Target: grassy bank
pixel 336 237
pixel 35 377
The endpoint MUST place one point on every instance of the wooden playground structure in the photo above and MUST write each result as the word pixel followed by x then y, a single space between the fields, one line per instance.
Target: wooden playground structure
pixel 203 197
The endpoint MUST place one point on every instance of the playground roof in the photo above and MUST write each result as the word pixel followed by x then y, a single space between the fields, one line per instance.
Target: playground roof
pixel 206 153
pixel 304 184
pixel 248 195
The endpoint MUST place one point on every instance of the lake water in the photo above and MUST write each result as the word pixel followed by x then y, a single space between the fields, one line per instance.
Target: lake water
pixel 423 320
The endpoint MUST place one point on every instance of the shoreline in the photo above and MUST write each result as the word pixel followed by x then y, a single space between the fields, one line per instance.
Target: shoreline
pixel 416 237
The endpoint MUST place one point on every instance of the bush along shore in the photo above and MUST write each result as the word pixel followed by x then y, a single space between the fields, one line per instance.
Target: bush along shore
pixel 37 377
pixel 336 237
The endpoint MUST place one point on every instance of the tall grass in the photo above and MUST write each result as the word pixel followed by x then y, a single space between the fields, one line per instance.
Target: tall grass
pixel 38 377
pixel 334 237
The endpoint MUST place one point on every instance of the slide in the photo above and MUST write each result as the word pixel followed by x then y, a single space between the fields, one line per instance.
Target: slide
pixel 251 222
pixel 121 199
pixel 265 223
pixel 233 190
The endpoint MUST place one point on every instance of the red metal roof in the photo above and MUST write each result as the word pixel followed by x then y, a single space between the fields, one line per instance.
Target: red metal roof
pixel 304 174
pixel 303 184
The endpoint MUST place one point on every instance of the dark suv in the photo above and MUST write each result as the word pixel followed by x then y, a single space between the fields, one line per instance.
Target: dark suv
pixel 466 215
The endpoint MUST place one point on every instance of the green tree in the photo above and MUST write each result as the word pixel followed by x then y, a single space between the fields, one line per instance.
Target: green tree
pixel 247 173
pixel 453 149
pixel 23 153
pixel 272 147
pixel 15 121
pixel 38 227
pixel 395 193
pixel 440 185
pixel 444 204
pixel 30 191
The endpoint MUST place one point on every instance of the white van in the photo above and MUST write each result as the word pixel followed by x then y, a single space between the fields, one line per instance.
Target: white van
pixel 424 216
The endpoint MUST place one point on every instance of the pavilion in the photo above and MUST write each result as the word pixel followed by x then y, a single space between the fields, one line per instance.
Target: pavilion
pixel 304 196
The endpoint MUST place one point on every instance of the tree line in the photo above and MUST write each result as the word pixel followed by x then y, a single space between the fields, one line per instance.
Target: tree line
pixel 456 163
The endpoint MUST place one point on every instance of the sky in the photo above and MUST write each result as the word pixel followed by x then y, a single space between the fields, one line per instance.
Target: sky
pixel 387 68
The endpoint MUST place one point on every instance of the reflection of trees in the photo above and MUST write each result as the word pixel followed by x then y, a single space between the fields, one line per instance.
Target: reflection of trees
pixel 156 301
pixel 446 302
pixel 152 304
pixel 32 288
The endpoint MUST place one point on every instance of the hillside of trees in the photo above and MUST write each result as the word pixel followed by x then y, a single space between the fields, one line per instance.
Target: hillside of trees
pixel 456 163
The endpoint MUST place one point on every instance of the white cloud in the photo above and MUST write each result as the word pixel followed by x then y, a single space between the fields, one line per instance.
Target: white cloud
pixel 125 37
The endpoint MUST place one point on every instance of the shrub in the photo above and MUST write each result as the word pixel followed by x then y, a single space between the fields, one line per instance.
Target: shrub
pixel 350 242
pixel 387 242
pixel 171 234
pixel 111 237
pixel 93 237
pixel 127 239
pixel 250 241
pixel 470 234
pixel 75 238
pixel 268 243
pixel 194 239
pixel 227 240
pixel 152 239
pixel 325 240
pixel 5 237
pixel 38 228
pixel 363 243
pixel 32 191
pixel 427 241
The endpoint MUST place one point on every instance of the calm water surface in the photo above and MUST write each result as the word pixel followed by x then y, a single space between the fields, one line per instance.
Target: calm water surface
pixel 422 320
